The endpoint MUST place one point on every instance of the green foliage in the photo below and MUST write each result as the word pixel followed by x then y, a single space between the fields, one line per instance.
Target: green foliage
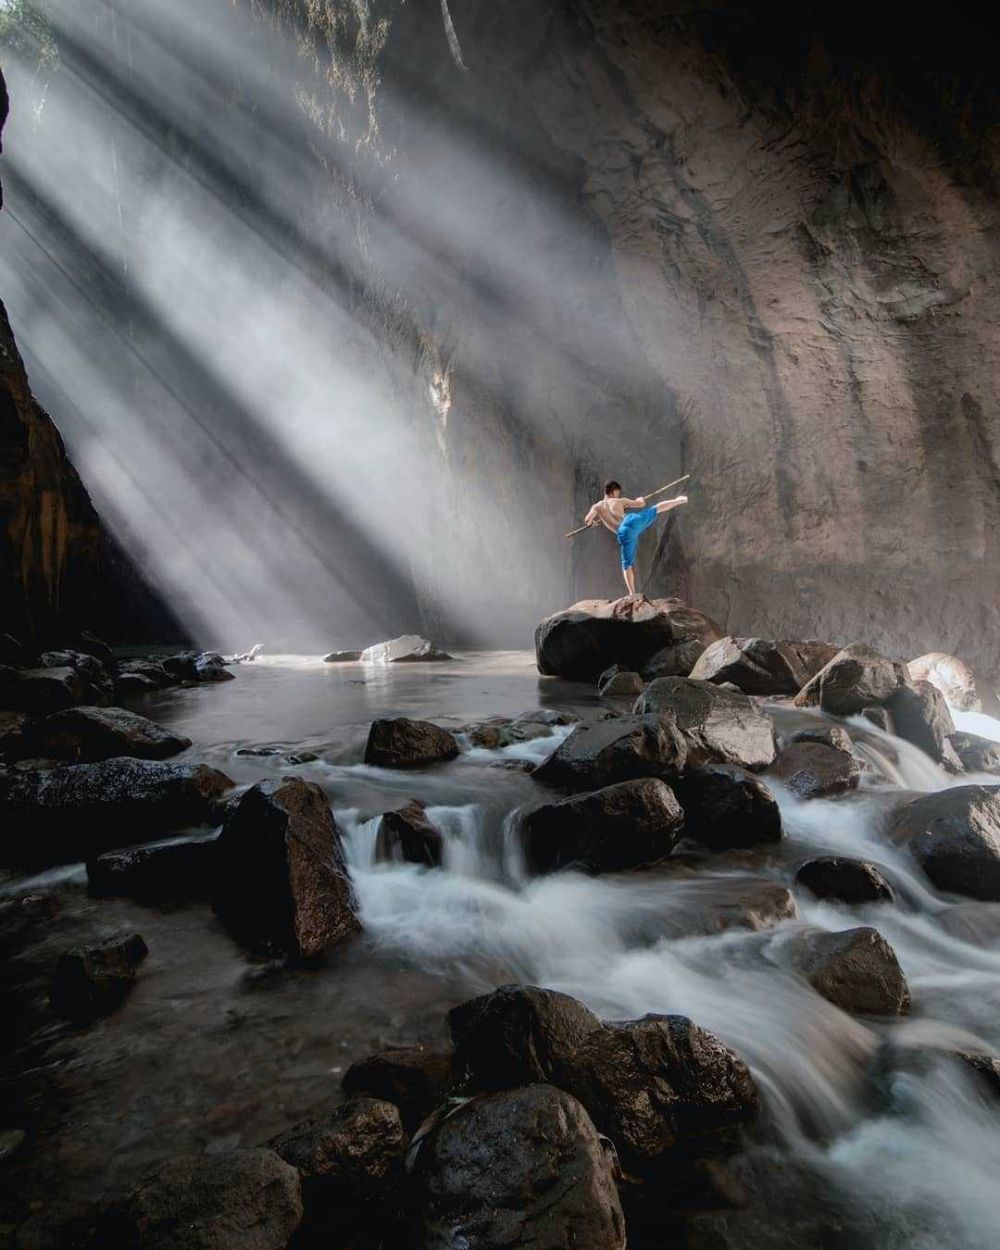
pixel 26 34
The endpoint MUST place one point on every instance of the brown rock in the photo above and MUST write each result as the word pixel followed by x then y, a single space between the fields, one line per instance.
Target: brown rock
pixel 855 678
pixel 954 835
pixel 725 807
pixel 414 1079
pixel 813 770
pixel 852 881
pixel 84 735
pixel 407 836
pixel 403 743
pixel 760 666
pixel 619 683
pixel 856 970
pixel 920 715
pixel 92 981
pixel 718 726
pixel 600 753
pixel 677 660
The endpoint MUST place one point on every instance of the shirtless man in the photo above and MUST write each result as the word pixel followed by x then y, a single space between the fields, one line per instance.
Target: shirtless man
pixel 611 512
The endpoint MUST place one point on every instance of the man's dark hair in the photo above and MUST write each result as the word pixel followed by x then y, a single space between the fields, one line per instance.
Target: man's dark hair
pixel 612 485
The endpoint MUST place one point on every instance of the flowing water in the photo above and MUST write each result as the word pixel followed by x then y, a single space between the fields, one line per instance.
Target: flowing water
pixel 907 1160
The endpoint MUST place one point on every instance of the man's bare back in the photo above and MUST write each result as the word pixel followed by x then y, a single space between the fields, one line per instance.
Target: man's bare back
pixel 611 511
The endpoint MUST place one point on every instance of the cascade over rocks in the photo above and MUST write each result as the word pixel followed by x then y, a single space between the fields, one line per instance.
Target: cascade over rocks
pixel 522 1168
pixel 854 679
pixel 718 726
pixel 813 770
pixel 954 835
pixel 976 754
pixel 281 882
pixel 76 811
pixel 760 666
pixel 726 807
pixel 583 641
pixel 403 743
pixel 852 881
pixel 409 648
pixel 406 835
pixel 920 715
pixel 413 1079
pixel 242 1200
pixel 91 981
pixel 625 825
pixel 856 970
pixel 85 735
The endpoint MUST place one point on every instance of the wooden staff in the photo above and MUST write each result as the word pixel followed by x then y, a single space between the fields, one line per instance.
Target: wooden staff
pixel 659 491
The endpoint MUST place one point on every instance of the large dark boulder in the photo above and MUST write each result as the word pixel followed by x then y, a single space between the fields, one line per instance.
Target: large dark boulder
pixel 403 743
pixel 522 1168
pixel 41 690
pixel 852 881
pixel 813 770
pixel 725 807
pixel 625 825
pixel 350 1161
pixel 169 873
pixel 920 715
pixel 856 970
pixel 77 811
pixel 954 835
pixel 857 677
pixel 91 981
pixel 243 1200
pixel 976 754
pixel 406 835
pixel 85 735
pixel 413 1079
pixel 600 753
pixel 718 726
pixel 407 649
pixel 281 882
pixel 762 666
pixel 583 641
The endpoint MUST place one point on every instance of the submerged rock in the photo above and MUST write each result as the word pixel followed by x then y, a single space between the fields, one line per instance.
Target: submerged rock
pixel 502 732
pixel 726 807
pixel 409 648
pixel 403 743
pixel 761 666
pixel 91 981
pixel 718 726
pixel 586 639
pixel 600 753
pixel 813 770
pixel 954 835
pixel 852 881
pixel 170 873
pixel 406 835
pixel 856 970
pixel 976 754
pixel 522 1168
pixel 281 882
pixel 85 735
pixel 243 1200
pixel 920 715
pixel 76 811
pixel 854 679
pixel 414 1079
pixel 625 825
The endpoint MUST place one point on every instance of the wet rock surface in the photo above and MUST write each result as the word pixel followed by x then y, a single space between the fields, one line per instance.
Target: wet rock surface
pixel 725 807
pixel 413 1078
pixel 403 743
pixel 920 715
pixel 92 981
pixel 813 770
pixel 601 753
pixel 954 836
pixel 851 881
pixel 857 677
pixel 856 970
pixel 761 666
pixel 718 726
pixel 406 835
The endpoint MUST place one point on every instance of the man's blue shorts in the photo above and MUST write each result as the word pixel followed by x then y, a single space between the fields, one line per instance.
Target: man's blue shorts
pixel 628 533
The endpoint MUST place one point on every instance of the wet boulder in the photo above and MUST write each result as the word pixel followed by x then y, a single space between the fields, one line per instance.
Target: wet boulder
pixel 718 726
pixel 281 882
pixel 619 683
pixel 586 639
pixel 857 677
pixel 856 970
pixel 921 716
pixel 406 835
pixel 413 1079
pixel 726 807
pixel 762 666
pixel 853 881
pixel 85 735
pixel 813 770
pixel 523 1168
pixel 407 649
pixel 350 1161
pixel 676 660
pixel 976 754
pixel 403 743
pixel 41 690
pixel 242 1200
pixel 92 981
pixel 76 811
pixel 600 753
pixel 170 873
pixel 342 657
pixel 625 825
pixel 954 835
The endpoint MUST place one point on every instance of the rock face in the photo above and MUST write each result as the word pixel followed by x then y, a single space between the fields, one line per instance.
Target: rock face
pixel 408 836
pixel 813 770
pixel 403 743
pixel 852 881
pixel 854 679
pixel 85 735
pixel 626 825
pixel 718 726
pixel 79 810
pixel 281 882
pixel 588 638
pixel 409 648
pixel 954 835
pixel 725 807
pixel 92 981
pixel 525 1167
pixel 760 666
pixel 856 970
pixel 243 1200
